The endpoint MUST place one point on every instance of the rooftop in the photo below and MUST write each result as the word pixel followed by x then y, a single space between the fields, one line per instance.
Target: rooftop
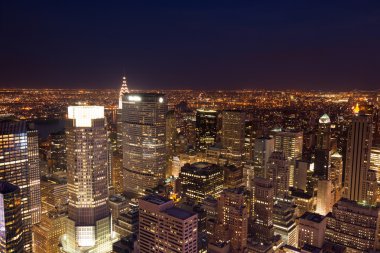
pixel 179 213
pixel 156 199
pixel 300 194
pixel 238 190
pixel 201 168
pixel 312 217
pixel 117 198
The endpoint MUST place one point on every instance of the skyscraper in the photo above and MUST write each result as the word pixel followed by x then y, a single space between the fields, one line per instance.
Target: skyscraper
pixel 57 152
pixel 284 222
pixel 166 228
pixel 278 173
pixel 263 210
pixel 264 146
pixel 205 128
pixel 300 174
pixel 88 225
pixel 358 158
pixel 375 160
pixel 144 149
pixel 19 165
pixel 34 176
pixel 325 197
pixel 119 125
pixel 291 144
pixel 200 180
pixel 11 233
pixel 322 151
pixel 233 133
pixel 233 212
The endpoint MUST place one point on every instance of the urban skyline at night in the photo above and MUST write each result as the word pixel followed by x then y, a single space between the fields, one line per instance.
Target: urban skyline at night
pixel 190 127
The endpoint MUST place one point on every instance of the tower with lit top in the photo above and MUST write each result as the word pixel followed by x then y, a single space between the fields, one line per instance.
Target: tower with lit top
pixel 359 143
pixel 119 126
pixel 123 90
pixel 322 150
pixel 144 141
pixel 88 225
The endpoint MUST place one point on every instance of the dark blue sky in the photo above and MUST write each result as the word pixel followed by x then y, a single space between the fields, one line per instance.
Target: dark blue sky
pixel 191 44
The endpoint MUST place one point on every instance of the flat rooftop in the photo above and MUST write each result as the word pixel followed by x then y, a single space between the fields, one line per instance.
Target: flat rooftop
pixel 155 199
pixel 179 213
pixel 201 165
pixel 312 217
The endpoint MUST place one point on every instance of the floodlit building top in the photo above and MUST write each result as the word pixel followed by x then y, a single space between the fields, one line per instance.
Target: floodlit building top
pixel 84 115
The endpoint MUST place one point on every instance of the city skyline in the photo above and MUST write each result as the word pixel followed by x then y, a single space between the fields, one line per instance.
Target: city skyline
pixel 189 127
pixel 197 45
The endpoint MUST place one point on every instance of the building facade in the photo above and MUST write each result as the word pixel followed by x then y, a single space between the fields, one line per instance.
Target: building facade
pixel 19 165
pixel 278 173
pixel 233 213
pixel 88 224
pixel 263 148
pixel 311 229
pixel 11 233
pixel 354 226
pixel 165 228
pixel 205 128
pixel 291 144
pixel 199 180
pixel 233 133
pixel 144 144
pixel 263 210
pixel 358 153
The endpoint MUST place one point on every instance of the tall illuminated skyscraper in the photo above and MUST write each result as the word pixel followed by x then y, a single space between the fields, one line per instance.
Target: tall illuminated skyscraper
pixel 119 127
pixel 264 146
pixel 205 128
pixel 88 225
pixel 291 144
pixel 263 209
pixel 233 133
pixel 11 233
pixel 233 213
pixel 375 160
pixel 322 151
pixel 358 158
pixel 278 173
pixel 19 165
pixel 34 176
pixel 57 152
pixel 144 149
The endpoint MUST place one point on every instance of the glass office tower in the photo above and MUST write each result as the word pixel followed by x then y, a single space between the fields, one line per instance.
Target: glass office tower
pixel 88 226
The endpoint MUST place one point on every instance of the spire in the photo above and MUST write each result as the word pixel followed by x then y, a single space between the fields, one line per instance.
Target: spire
pixel 123 90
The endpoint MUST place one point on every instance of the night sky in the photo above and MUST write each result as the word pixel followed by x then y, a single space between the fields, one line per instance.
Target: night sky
pixel 286 44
